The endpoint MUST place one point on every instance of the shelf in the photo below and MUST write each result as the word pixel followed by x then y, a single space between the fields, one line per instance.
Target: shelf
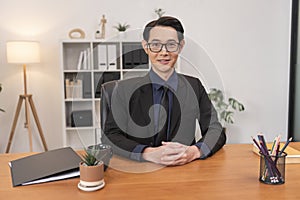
pixel 115 70
pixel 76 71
pixel 78 100
pixel 79 128
pixel 86 65
pixel 135 70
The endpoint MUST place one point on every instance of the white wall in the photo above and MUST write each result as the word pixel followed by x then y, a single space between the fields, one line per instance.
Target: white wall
pixel 247 40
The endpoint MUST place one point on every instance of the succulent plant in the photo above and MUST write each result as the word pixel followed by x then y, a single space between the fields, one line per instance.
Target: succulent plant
pixel 160 12
pixel 89 159
pixel 122 27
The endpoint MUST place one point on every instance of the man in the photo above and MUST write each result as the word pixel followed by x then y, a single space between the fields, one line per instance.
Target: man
pixel 153 117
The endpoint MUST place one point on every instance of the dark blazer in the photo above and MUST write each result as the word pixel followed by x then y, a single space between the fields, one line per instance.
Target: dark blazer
pixel 130 121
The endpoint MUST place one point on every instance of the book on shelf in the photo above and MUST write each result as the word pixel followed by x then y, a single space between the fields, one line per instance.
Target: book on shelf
pixel 293 155
pixel 80 60
pixel 84 60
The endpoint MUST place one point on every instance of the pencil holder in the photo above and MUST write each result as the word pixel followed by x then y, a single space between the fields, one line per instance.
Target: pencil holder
pixel 272 169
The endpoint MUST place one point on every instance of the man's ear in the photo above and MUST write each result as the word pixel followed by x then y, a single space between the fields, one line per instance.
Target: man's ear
pixel 144 44
pixel 182 43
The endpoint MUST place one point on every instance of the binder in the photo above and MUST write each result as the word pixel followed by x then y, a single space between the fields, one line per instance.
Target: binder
pixel 112 56
pixel 89 62
pixel 102 57
pixel 86 85
pixel 43 167
pixel 127 56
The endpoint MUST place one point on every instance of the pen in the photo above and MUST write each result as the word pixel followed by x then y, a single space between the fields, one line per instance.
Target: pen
pixel 273 145
pixel 285 145
pixel 271 165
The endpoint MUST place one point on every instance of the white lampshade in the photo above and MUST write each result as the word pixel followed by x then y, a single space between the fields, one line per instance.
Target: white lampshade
pixel 23 52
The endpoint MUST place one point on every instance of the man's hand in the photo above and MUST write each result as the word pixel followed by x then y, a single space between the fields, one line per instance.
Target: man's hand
pixel 171 153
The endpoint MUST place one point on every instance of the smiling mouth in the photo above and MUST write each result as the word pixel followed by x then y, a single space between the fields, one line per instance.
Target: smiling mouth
pixel 164 61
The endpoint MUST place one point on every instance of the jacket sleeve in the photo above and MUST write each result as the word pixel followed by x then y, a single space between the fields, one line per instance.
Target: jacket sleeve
pixel 213 135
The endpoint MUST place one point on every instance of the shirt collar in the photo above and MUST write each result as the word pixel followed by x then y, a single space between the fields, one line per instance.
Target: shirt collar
pixel 157 82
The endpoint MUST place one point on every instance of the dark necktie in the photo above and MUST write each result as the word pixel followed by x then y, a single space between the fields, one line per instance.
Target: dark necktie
pixel 162 135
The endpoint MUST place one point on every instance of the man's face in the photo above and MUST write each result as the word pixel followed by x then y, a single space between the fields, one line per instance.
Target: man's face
pixel 163 61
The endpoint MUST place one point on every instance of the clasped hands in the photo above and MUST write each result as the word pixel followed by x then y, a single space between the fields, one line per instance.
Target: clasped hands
pixel 171 153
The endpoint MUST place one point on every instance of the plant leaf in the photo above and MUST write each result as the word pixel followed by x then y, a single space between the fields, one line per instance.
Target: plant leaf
pixel 236 105
pixel 216 95
pixel 227 116
pixel 89 159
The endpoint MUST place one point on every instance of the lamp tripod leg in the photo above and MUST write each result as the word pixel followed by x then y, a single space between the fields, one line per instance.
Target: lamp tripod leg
pixel 27 122
pixel 13 128
pixel 38 124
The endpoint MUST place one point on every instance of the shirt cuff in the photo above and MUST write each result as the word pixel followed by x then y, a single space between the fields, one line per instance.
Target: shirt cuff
pixel 136 154
pixel 205 151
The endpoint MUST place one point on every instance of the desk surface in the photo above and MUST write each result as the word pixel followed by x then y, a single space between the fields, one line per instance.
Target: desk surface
pixel 232 173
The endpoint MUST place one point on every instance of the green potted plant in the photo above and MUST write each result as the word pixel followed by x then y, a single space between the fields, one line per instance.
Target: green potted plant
pixel 122 27
pixel 225 109
pixel 160 12
pixel 91 172
pixel 1 110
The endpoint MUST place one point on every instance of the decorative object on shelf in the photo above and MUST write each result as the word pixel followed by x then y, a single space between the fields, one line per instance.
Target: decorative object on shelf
pixel 122 27
pixel 102 25
pixel 81 118
pixel 0 91
pixel 97 35
pixel 91 173
pixel 77 33
pixel 73 89
pixel 160 12
pixel 24 52
pixel 225 109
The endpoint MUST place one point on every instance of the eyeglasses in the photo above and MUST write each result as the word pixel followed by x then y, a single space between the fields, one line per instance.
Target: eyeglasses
pixel 156 47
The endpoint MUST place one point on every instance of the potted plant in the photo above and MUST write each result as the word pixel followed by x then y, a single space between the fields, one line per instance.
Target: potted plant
pixel 1 110
pixel 122 27
pixel 160 12
pixel 225 109
pixel 91 172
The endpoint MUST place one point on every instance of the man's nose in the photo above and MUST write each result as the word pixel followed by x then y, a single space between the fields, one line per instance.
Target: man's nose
pixel 164 49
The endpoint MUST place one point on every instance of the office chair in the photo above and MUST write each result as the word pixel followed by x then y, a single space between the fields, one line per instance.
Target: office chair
pixel 105 105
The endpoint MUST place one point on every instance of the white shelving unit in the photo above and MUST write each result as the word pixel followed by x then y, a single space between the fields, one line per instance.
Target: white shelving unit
pixel 86 64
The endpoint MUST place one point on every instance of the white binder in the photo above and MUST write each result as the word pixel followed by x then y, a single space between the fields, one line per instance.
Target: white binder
pixel 112 56
pixel 102 57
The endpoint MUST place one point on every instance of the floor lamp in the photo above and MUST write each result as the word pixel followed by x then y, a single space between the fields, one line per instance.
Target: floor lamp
pixel 24 52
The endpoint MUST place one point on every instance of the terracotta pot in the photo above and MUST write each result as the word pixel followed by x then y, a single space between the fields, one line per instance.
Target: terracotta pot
pixel 91 175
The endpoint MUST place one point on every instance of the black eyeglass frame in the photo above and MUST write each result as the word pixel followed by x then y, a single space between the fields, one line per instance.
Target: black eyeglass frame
pixel 166 47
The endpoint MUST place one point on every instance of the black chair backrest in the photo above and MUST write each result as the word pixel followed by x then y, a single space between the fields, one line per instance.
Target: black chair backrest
pixel 105 101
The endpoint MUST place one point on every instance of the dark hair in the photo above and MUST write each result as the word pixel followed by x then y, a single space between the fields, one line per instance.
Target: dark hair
pixel 164 21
